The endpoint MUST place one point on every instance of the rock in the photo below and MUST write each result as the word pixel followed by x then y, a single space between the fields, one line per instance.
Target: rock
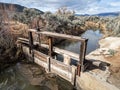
pixel 110 43
pixel 109 52
pixel 114 69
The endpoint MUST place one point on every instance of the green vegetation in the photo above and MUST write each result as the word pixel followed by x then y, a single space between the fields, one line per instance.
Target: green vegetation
pixel 26 16
pixel 113 26
pixel 65 21
pixel 112 52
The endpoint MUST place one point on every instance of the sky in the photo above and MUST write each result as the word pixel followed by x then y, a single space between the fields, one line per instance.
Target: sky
pixel 79 6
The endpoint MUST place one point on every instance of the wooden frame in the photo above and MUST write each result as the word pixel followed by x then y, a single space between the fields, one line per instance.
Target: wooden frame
pixel 51 35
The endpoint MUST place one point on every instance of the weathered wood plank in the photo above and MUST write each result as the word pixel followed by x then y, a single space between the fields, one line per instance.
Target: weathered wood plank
pixel 82 54
pixel 58 35
pixel 32 30
pixel 23 39
pixel 61 65
pixel 80 66
pixel 64 36
pixel 40 55
pixel 62 52
pixel 55 49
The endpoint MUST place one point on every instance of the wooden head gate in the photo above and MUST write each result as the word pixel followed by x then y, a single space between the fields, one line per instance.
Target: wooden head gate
pixel 48 61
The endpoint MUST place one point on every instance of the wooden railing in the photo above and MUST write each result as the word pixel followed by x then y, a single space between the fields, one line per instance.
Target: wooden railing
pixel 50 35
pixel 47 61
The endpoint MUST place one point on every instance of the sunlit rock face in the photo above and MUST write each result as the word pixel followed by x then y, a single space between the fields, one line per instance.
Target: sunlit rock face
pixel 109 52
pixel 110 42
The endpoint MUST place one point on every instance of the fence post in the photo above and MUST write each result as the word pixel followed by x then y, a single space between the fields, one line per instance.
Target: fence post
pixel 50 46
pixel 31 46
pixel 83 47
pixel 38 30
pixel 73 79
pixel 30 41
pixel 48 64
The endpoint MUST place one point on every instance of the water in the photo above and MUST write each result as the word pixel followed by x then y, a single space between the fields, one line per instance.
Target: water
pixel 93 38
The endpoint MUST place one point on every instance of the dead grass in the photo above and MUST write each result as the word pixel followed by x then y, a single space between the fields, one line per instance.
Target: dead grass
pixel 114 78
pixel 19 29
pixel 115 59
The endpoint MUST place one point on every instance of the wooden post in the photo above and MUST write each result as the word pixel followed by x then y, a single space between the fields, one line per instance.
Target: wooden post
pixel 30 41
pixel 31 46
pixel 39 40
pixel 50 46
pixel 73 79
pixel 83 47
pixel 78 68
pixel 49 64
pixel 38 30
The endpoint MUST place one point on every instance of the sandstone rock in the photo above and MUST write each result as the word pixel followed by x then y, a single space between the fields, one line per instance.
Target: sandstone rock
pixel 109 52
pixel 110 42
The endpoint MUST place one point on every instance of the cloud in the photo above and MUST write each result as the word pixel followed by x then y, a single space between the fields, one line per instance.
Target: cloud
pixel 80 6
pixel 115 4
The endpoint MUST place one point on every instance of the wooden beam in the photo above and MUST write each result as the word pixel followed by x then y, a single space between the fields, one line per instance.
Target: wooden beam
pixel 63 36
pixel 58 35
pixel 32 30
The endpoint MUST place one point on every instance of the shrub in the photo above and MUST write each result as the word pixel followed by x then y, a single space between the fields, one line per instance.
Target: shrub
pixel 111 52
pixel 6 39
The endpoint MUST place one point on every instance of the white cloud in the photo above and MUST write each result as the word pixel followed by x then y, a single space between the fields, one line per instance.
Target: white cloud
pixel 80 6
pixel 115 4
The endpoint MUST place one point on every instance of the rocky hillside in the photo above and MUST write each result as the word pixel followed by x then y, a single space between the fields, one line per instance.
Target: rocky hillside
pixel 17 8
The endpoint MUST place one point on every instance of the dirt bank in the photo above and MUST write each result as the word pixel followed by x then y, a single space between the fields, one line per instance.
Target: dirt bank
pixel 108 52
pixel 36 75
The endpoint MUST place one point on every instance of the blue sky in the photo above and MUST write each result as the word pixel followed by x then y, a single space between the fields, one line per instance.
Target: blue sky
pixel 79 6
